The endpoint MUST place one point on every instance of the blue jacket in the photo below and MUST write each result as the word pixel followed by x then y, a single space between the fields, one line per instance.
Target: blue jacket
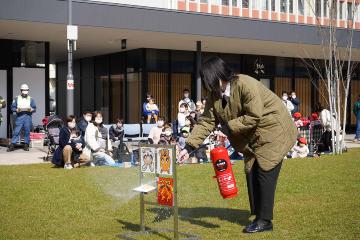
pixel 296 103
pixel 82 124
pixel 15 104
pixel 64 137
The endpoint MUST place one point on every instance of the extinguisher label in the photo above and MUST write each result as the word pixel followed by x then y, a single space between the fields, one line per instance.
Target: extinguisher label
pixel 226 182
pixel 221 165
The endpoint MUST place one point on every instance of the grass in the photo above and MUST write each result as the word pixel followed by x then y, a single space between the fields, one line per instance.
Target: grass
pixel 316 199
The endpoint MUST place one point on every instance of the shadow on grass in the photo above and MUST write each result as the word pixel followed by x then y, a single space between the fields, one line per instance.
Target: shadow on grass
pixel 128 226
pixel 196 215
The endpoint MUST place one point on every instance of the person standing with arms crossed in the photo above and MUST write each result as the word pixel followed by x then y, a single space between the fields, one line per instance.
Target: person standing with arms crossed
pixel 257 124
pixel 24 106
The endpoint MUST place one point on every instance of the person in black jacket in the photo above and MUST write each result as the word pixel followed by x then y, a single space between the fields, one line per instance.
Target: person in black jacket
pixel 295 101
pixel 84 121
pixel 117 131
pixel 63 155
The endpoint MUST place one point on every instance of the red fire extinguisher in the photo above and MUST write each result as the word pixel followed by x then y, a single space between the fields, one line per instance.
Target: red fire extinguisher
pixel 223 172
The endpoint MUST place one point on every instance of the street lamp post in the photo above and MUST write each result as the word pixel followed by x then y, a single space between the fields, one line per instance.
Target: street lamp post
pixel 72 36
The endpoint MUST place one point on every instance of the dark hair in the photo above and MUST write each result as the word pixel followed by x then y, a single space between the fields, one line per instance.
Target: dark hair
pixel 319 107
pixel 70 118
pixel 284 92
pixel 94 116
pixel 212 71
pixel 87 112
pixel 75 131
pixel 184 105
pixel 120 120
pixel 161 118
pixel 186 90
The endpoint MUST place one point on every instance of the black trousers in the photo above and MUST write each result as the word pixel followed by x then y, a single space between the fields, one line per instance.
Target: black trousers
pixel 261 189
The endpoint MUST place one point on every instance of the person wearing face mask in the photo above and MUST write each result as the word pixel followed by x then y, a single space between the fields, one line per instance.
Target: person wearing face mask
pixel 183 113
pixel 23 106
pixel 84 121
pixel 155 132
pixel 64 154
pixel 189 102
pixel 166 134
pixel 256 123
pixel 288 104
pixel 295 101
pixel 97 142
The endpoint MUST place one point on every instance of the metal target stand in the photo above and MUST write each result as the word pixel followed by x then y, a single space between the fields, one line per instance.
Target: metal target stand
pixel 143 202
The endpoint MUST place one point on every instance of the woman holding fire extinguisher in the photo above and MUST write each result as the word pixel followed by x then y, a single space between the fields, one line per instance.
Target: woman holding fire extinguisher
pixel 256 123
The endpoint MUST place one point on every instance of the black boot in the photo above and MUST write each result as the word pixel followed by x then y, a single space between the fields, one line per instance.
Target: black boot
pixel 11 148
pixel 26 147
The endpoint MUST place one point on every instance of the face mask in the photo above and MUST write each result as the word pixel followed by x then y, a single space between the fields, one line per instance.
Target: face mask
pixel 25 92
pixel 285 98
pixel 293 96
pixel 186 95
pixel 71 125
pixel 168 133
pixel 87 118
pixel 160 123
pixel 98 120
pixel 182 110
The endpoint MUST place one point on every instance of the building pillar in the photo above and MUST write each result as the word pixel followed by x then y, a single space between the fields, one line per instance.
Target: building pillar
pixel 287 10
pixel 277 9
pixel 187 5
pixel 230 7
pixel 197 70
pixel 269 10
pixel 250 8
pixel 241 8
pixel 209 6
pixel 305 10
pixel 296 10
pixel 198 5
pixel 338 13
pixel 322 12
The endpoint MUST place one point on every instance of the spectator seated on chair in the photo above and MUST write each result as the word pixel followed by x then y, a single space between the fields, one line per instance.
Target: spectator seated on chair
pixel 152 111
pixel 63 155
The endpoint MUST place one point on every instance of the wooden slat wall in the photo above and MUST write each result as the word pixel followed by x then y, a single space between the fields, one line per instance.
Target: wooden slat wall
pixel 179 81
pixel 303 92
pixel 282 84
pixel 322 94
pixel 158 87
pixel 355 91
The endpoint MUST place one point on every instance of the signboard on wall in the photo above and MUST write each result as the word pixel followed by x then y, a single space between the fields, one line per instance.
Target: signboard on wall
pixel 35 79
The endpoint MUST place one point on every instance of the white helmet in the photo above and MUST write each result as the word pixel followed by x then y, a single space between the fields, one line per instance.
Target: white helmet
pixel 24 87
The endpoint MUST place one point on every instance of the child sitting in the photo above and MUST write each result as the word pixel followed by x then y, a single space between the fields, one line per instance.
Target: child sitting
pixel 75 140
pixel 152 110
pixel 301 150
pixel 182 139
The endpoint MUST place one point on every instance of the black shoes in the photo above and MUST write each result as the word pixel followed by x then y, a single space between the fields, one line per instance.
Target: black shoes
pixel 26 147
pixel 259 226
pixel 11 148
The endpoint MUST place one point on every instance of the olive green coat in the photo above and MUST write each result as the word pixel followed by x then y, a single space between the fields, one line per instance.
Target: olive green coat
pixel 260 125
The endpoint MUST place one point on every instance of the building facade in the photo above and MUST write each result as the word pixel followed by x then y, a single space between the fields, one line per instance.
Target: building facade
pixel 166 41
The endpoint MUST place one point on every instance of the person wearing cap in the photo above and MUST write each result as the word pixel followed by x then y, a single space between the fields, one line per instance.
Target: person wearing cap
pixel 297 120
pixel 2 105
pixel 301 150
pixel 23 106
pixel 256 123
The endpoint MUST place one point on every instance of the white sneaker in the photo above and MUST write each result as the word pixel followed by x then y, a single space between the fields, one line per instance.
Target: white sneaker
pixel 68 166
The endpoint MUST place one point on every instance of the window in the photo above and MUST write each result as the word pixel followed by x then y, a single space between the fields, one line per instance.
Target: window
pixel 283 6
pixel 291 6
pixel 255 4
pixel 264 5
pixel 245 3
pixel 204 1
pixel 318 8
pixel 301 7
pixel 273 5
pixel 234 3
pixel 349 11
pixel 225 2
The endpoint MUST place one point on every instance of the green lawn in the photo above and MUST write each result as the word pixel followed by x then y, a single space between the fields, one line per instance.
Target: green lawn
pixel 316 199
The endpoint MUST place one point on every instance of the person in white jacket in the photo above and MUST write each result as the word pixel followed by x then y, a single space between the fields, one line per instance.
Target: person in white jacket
pixel 97 143
pixel 288 104
pixel 301 150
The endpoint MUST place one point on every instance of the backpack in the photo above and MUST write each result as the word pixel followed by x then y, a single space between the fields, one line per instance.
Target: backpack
pixel 122 153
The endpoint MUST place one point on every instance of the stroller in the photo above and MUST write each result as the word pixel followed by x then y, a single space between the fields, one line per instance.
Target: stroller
pixel 55 123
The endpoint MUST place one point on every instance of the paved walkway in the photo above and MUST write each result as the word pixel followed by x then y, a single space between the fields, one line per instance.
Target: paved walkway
pixel 36 155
